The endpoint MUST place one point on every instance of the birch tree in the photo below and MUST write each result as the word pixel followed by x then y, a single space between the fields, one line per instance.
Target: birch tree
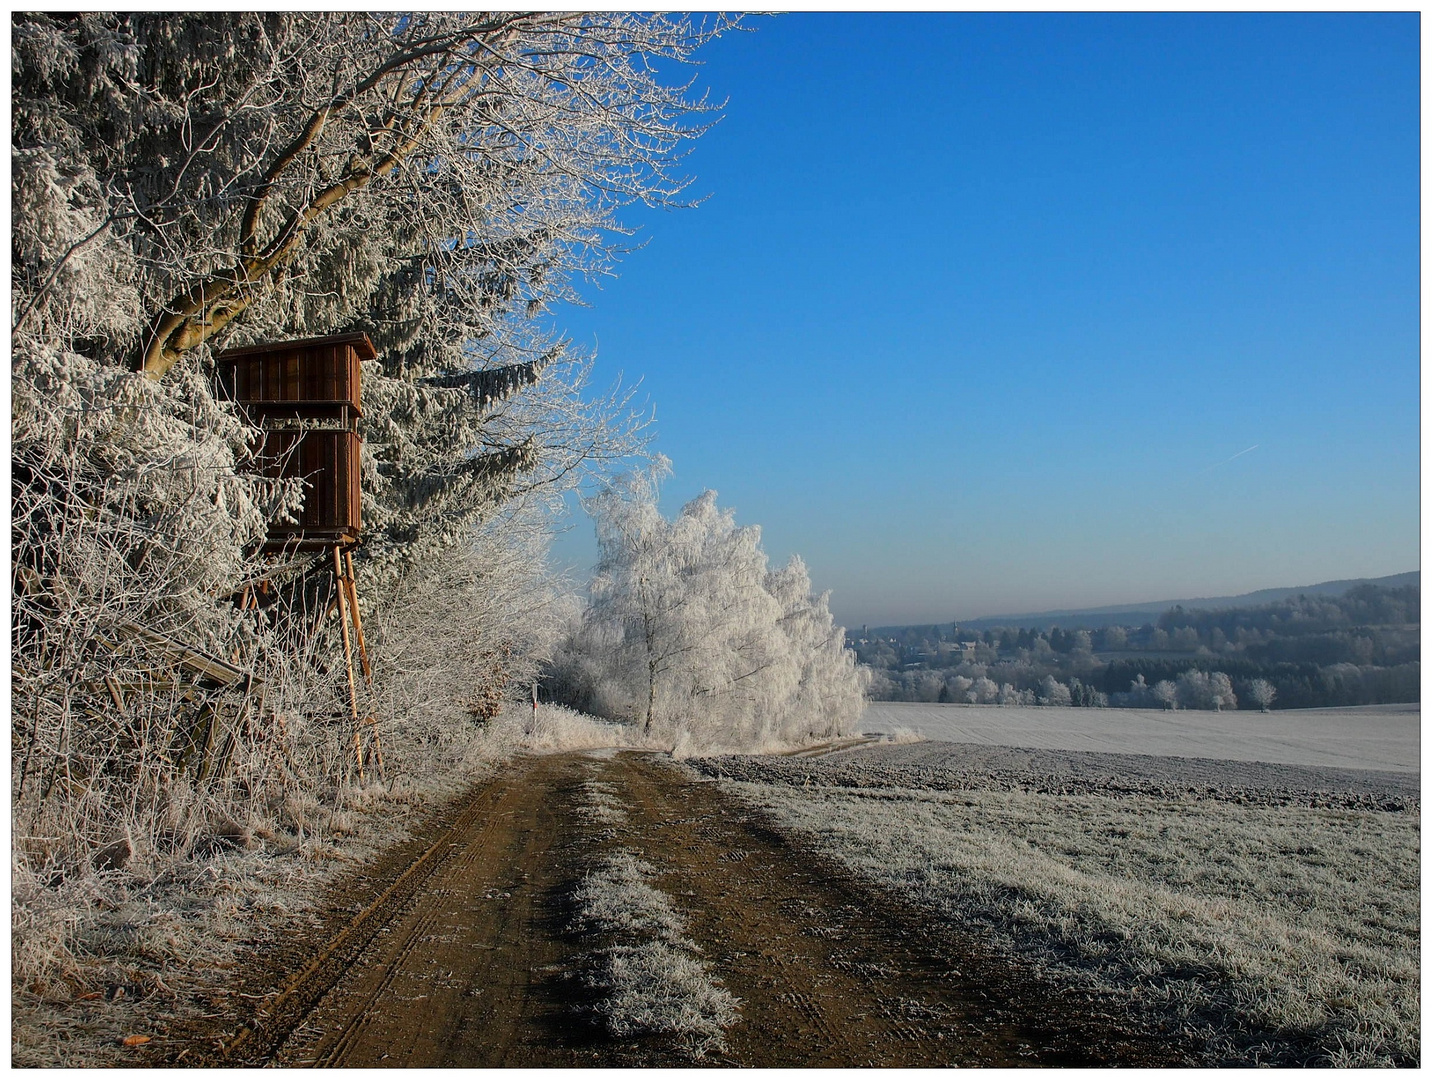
pixel 692 636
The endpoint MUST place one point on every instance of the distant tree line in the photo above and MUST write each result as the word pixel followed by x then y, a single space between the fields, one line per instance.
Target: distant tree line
pixel 1360 648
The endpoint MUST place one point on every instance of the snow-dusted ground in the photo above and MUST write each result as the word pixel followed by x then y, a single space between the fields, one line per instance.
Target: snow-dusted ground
pixel 1258 913
pixel 1366 737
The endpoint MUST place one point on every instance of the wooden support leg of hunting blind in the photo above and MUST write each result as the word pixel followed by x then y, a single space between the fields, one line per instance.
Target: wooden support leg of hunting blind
pixel 374 751
pixel 348 656
pixel 351 583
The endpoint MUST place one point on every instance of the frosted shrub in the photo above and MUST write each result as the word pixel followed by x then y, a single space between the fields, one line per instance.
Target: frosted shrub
pixel 555 727
pixel 127 511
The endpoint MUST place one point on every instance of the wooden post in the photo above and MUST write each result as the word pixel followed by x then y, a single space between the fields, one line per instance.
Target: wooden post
pixel 352 585
pixel 348 656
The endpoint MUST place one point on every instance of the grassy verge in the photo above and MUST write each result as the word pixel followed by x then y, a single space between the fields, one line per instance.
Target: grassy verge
pixel 110 954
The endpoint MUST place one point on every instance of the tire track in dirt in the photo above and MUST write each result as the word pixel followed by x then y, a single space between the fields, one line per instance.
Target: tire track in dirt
pixel 830 971
pixel 250 1038
pixel 467 960
pixel 460 978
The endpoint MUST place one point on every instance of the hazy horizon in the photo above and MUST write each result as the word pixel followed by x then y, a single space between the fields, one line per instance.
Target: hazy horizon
pixel 1150 601
pixel 1056 311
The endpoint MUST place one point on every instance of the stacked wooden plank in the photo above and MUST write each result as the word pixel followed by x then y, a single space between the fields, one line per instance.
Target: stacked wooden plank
pixel 216 700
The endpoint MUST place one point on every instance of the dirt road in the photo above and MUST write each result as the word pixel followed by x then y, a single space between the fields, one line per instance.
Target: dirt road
pixel 458 949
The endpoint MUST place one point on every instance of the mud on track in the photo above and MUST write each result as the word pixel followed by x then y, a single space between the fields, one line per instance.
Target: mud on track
pixel 456 950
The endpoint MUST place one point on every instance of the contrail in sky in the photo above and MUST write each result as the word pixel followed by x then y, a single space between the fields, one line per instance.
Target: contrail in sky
pixel 1235 456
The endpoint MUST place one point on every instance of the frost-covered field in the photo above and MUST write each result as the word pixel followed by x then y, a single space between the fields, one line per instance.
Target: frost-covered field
pixel 1367 737
pixel 1259 913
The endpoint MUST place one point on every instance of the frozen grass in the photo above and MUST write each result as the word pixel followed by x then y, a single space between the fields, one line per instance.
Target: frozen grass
pixel 650 975
pixel 102 954
pixel 661 988
pixel 601 805
pixel 1273 934
pixel 617 900
pixel 108 954
pixel 557 728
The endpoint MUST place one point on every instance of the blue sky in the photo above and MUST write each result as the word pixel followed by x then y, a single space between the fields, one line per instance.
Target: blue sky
pixel 981 307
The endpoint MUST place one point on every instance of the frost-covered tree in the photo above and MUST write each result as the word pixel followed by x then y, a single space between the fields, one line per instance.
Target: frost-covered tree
pixel 1053 692
pixel 1139 695
pixel 1221 687
pixel 1087 696
pixel 1205 690
pixel 692 636
pixel 186 181
pixel 1166 694
pixel 985 690
pixel 1261 693
pixel 1008 695
pixel 183 182
pixel 928 686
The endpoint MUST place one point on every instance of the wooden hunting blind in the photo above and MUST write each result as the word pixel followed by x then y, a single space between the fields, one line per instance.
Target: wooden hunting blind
pixel 307 397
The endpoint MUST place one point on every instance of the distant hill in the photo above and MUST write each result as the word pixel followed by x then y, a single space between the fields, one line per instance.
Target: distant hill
pixel 1139 614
